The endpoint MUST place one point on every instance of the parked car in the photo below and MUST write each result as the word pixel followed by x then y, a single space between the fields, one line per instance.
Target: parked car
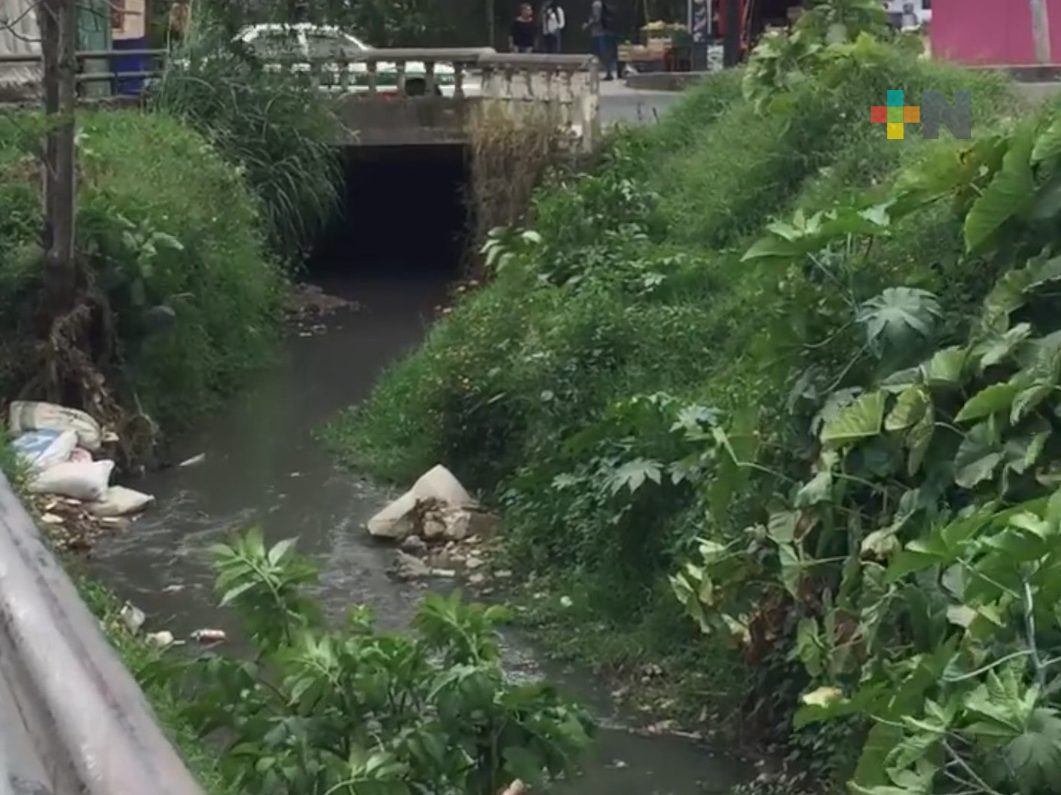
pixel 314 42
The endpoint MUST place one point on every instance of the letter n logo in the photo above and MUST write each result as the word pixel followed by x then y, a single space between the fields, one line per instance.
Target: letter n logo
pixel 957 118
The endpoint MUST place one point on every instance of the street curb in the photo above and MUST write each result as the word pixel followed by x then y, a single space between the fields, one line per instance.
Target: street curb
pixel 79 723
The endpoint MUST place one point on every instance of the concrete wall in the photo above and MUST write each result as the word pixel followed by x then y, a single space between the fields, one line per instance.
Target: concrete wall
pixel 990 32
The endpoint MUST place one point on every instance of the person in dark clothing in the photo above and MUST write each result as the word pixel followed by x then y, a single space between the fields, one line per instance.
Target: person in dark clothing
pixel 553 22
pixel 523 31
pixel 600 32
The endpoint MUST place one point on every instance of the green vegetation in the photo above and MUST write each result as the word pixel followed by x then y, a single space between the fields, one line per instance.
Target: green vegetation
pixel 277 127
pixel 350 710
pixel 139 657
pixel 178 298
pixel 839 428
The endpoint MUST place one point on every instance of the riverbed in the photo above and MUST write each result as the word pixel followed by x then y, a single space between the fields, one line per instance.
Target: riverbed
pixel 261 465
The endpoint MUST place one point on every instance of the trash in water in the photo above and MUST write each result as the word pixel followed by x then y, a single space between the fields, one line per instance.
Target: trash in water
pixel 209 635
pixel 161 639
pixel 133 617
pixel 195 459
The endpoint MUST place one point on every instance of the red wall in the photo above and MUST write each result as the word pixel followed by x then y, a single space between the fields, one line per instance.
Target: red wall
pixel 990 32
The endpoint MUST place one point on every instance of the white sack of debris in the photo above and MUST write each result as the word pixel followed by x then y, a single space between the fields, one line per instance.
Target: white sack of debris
pixel 436 507
pixel 32 415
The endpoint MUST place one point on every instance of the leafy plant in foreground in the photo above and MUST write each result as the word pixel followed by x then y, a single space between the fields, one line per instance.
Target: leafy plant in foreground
pixel 919 561
pixel 352 710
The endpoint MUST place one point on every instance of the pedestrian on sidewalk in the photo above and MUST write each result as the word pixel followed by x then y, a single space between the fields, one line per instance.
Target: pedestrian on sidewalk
pixel 599 26
pixel 553 22
pixel 523 31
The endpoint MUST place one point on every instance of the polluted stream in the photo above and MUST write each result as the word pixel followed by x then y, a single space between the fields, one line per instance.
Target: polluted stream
pixel 260 465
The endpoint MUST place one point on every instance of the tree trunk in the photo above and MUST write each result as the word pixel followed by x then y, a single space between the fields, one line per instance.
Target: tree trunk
pixel 1040 31
pixel 58 24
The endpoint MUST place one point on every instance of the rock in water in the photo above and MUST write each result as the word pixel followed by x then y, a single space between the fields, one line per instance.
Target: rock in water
pixel 406 567
pixel 397 520
pixel 414 545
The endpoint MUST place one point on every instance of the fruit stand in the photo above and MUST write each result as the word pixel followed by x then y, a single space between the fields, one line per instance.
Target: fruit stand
pixel 664 47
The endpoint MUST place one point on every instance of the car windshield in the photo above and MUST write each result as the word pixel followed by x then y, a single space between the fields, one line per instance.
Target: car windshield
pixel 331 44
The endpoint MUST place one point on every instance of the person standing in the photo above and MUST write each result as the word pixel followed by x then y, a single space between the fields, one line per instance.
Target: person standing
pixel 553 22
pixel 599 26
pixel 523 31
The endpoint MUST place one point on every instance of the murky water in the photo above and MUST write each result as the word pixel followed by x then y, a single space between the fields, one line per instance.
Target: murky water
pixel 263 467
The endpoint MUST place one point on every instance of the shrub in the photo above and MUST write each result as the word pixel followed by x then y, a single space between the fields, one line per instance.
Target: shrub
pixel 169 233
pixel 276 126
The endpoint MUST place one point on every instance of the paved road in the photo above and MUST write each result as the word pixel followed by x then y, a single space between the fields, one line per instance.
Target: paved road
pixel 619 103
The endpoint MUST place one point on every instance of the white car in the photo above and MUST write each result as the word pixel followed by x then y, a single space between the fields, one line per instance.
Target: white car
pixel 315 42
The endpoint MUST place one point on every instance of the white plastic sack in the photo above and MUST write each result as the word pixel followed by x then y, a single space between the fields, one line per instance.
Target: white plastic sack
pixel 120 501
pixel 440 484
pixel 81 480
pixel 30 415
pixel 43 449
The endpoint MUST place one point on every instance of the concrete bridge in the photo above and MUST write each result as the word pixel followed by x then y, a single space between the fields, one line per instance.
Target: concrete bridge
pixel 382 102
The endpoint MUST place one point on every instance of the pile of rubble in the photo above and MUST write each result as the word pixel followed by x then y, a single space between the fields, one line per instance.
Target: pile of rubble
pixel 69 473
pixel 439 527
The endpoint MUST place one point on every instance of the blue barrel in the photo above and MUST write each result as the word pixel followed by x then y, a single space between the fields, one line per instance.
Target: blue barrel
pixel 127 64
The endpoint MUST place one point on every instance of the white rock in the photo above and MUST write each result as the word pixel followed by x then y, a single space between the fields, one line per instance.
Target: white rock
pixel 473 562
pixel 457 524
pixel 440 484
pixel 397 520
pixel 434 527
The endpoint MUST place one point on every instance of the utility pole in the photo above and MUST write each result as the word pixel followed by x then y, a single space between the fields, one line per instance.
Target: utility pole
pixel 1040 31
pixel 491 23
pixel 58 25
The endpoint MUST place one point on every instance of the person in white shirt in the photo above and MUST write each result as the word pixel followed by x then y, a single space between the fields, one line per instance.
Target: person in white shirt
pixel 553 22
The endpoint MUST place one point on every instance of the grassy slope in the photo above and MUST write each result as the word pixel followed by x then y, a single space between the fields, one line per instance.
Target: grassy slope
pixel 519 367
pixel 148 175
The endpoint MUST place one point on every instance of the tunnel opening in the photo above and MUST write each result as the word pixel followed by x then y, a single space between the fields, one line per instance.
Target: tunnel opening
pixel 402 212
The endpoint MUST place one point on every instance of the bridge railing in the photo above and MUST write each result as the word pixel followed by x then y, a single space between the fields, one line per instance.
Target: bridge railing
pixel 567 85
pixel 403 71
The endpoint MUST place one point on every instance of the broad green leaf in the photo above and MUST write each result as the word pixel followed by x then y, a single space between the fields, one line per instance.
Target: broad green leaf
pixel 910 407
pixel 817 490
pixel 990 400
pixel 978 457
pixel 1035 755
pixel 945 368
pixel 1027 400
pixel 1008 195
pixel 773 247
pixel 1047 143
pixel 998 348
pixel 900 316
pixel 861 419
pixel 918 440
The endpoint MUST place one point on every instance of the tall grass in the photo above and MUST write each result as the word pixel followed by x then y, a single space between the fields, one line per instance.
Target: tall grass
pixel 277 127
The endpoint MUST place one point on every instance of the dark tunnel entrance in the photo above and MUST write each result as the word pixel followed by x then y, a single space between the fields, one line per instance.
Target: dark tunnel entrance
pixel 402 212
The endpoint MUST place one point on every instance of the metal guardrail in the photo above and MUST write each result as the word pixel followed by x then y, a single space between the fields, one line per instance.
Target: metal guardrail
pixel 72 718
